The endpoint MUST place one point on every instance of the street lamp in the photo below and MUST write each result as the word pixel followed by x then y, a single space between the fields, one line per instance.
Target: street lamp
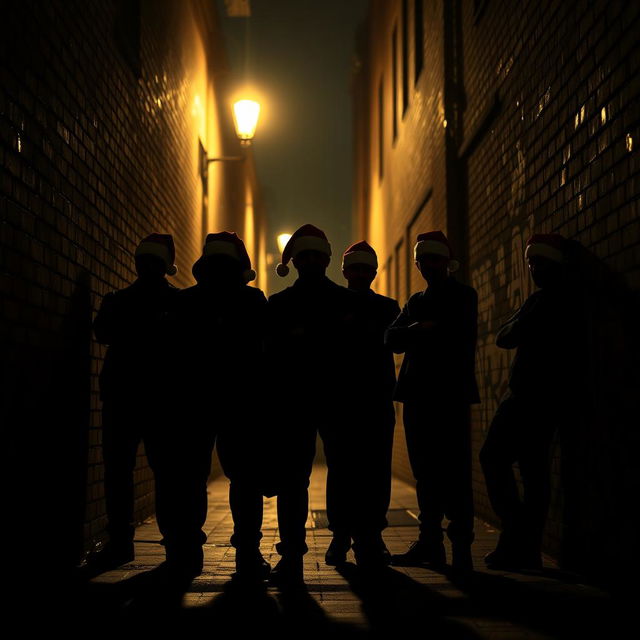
pixel 282 240
pixel 245 119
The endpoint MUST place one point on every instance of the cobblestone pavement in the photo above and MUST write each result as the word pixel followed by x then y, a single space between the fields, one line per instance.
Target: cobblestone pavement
pixel 403 601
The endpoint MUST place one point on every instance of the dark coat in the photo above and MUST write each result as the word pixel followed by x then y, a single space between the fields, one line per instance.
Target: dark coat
pixel 131 322
pixel 547 332
pixel 217 340
pixel 312 333
pixel 378 366
pixel 439 363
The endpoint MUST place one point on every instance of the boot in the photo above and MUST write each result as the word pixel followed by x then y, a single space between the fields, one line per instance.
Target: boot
pixel 111 556
pixel 421 554
pixel 250 565
pixel 184 563
pixel 461 560
pixel 371 553
pixel 288 572
pixel 336 554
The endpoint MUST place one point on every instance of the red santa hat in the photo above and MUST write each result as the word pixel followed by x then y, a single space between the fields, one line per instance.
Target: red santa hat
pixel 435 243
pixel 161 246
pixel 306 238
pixel 546 245
pixel 227 243
pixel 360 253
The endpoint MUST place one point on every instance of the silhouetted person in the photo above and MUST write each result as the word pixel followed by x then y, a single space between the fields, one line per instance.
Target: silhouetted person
pixel 311 328
pixel 132 386
pixel 542 377
pixel 217 331
pixel 358 491
pixel 437 332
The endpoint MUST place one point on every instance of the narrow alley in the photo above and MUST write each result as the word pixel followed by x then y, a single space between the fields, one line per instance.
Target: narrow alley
pixel 343 603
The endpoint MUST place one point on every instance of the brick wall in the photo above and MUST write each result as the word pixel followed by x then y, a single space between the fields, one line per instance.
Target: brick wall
pixel 393 202
pixel 102 108
pixel 541 103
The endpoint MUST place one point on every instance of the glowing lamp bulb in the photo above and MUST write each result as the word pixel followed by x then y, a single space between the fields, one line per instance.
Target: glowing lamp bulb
pixel 245 116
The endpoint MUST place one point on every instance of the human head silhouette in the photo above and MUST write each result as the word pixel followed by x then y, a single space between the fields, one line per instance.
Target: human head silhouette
pixel 360 266
pixel 433 257
pixel 310 252
pixel 155 256
pixel 545 256
pixel 224 262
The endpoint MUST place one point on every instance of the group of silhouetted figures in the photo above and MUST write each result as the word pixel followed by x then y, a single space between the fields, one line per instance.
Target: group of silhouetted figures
pixel 218 365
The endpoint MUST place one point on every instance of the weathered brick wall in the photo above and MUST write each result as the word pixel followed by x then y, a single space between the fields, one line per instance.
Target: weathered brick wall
pixel 542 106
pixel 557 156
pixel 409 192
pixel 100 119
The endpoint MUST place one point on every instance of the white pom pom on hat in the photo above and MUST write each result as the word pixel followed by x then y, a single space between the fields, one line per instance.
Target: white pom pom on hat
pixel 282 270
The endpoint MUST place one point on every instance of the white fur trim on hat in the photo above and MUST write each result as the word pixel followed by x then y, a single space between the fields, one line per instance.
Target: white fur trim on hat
pixel 431 246
pixel 160 251
pixel 543 250
pixel 220 247
pixel 153 249
pixel 360 257
pixel 310 243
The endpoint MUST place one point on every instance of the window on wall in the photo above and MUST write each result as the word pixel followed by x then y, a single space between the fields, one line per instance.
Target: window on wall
pixel 418 37
pixel 405 55
pixel 381 129
pixel 478 9
pixel 127 33
pixel 394 80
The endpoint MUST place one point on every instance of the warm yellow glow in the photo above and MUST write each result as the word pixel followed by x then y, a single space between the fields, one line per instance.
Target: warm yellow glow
pixel 245 116
pixel 283 238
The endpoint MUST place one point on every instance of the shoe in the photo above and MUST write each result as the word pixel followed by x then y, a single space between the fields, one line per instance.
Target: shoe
pixel 337 552
pixel 371 553
pixel 111 556
pixel 461 560
pixel 288 572
pixel 184 564
pixel 250 565
pixel 372 560
pixel 421 554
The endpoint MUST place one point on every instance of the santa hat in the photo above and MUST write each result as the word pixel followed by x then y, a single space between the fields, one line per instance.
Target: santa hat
pixel 306 238
pixel 546 245
pixel 360 253
pixel 161 246
pixel 435 243
pixel 226 243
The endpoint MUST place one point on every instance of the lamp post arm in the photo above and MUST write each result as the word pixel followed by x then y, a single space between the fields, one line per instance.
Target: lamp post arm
pixel 226 159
